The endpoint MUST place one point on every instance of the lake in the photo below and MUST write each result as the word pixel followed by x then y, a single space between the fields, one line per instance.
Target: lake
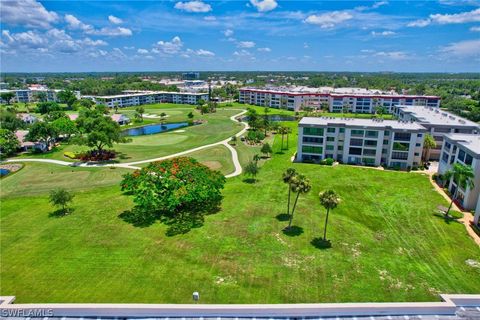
pixel 154 128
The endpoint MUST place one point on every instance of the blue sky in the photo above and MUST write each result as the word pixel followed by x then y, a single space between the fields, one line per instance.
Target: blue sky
pixel 423 36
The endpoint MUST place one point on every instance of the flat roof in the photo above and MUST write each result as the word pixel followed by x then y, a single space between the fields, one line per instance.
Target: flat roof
pixel 370 123
pixel 148 94
pixel 470 142
pixel 436 116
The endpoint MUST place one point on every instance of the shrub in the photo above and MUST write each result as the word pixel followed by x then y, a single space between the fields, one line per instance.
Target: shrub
pixel 96 155
pixel 70 155
pixel 327 161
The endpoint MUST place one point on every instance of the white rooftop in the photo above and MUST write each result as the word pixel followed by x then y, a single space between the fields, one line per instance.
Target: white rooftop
pixel 144 93
pixel 354 122
pixel 436 116
pixel 469 141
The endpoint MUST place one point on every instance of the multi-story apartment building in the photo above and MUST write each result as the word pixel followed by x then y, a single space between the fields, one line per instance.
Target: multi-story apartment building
pixel 33 94
pixel 335 99
pixel 463 149
pixel 129 99
pixel 438 123
pixel 361 141
pixel 476 218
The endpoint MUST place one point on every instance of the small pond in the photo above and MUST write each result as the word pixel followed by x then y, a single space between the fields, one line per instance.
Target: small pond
pixel 4 172
pixel 154 128
pixel 274 118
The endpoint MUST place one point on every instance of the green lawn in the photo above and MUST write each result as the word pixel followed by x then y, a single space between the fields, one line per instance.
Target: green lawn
pixel 218 126
pixel 388 244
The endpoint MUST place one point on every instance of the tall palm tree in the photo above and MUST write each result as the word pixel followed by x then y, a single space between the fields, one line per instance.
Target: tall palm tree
pixel 463 176
pixel 288 131
pixel 266 122
pixel 329 200
pixel 287 178
pixel 282 131
pixel 300 184
pixel 428 144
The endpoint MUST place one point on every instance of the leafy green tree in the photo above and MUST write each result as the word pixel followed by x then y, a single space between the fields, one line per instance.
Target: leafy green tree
pixel 163 115
pixel 181 189
pixel 9 143
pixel 266 149
pixel 46 107
pixel 463 176
pixel 115 107
pixel 283 131
pixel 40 96
pixel 67 97
pixel 329 200
pixel 428 144
pixel 139 111
pixel 190 115
pixel 61 198
pixel 83 103
pixel 64 126
pixel 43 132
pixel 266 122
pixel 7 96
pixel 98 131
pixel 287 178
pixel 9 120
pixel 253 118
pixel 300 185
pixel 54 115
pixel 252 169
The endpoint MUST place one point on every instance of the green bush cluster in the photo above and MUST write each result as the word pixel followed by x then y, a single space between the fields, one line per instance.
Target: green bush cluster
pixel 327 161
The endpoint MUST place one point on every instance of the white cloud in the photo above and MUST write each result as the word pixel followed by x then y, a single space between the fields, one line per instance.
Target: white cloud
pixel 464 17
pixel 28 39
pixel 210 18
pixel 168 47
pixel 228 33
pixel 394 55
pixel 29 13
pixel 379 4
pixel 305 45
pixel 75 24
pixel 264 5
pixel 112 32
pixel 114 19
pixel 329 19
pixel 142 51
pixel 264 49
pixel 475 29
pixel 467 48
pixel 193 6
pixel 383 33
pixel 90 42
pixel 242 53
pixel 246 44
pixel 129 48
pixel 199 52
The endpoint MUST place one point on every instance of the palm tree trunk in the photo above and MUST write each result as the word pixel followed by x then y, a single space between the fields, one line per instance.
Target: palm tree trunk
pixel 325 229
pixel 451 202
pixel 293 210
pixel 287 141
pixel 281 148
pixel 288 202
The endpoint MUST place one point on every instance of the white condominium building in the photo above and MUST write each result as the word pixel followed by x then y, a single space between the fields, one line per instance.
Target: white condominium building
pixel 35 94
pixel 355 100
pixel 463 149
pixel 136 99
pixel 438 123
pixel 373 142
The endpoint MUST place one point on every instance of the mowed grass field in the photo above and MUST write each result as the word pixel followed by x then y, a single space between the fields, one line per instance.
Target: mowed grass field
pixel 387 242
pixel 217 126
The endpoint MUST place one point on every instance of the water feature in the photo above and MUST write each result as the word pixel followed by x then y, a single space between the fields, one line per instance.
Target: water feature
pixel 4 172
pixel 154 128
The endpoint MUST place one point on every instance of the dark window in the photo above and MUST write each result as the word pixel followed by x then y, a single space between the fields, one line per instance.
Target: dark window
pixel 369 152
pixel 370 143
pixel 356 142
pixel 399 155
pixel 331 130
pixel 356 151
pixel 468 159
pixel 445 157
pixel 312 140
pixel 402 136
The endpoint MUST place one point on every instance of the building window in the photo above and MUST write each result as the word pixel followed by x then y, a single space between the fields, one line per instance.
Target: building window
pixel 447 145
pixel 416 154
pixel 370 143
pixel 371 134
pixel 468 159
pixel 401 146
pixel 330 139
pixel 311 149
pixel 356 142
pixel 357 133
pixel 369 152
pixel 445 157
pixel 385 142
pixel 330 147
pixel 387 133
pixel 342 130
pixel 312 140
pixel 340 148
pixel 399 155
pixel 331 130
pixel 461 155
pixel 355 151
pixel 313 131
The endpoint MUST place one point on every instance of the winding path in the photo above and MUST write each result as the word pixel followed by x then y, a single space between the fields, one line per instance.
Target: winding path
pixel 131 165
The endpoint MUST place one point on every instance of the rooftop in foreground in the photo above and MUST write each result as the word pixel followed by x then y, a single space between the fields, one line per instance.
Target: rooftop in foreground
pixel 469 141
pixel 436 116
pixel 365 123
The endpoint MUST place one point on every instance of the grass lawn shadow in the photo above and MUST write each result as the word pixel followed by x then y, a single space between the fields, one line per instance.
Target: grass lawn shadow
pixel 138 218
pixel 282 217
pixel 59 213
pixel 321 244
pixel 249 180
pixel 293 231
pixel 448 219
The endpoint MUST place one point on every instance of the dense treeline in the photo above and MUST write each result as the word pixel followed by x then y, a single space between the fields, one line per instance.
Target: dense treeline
pixel 460 92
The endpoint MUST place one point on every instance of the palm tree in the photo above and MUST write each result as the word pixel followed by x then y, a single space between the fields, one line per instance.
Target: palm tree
pixel 287 178
pixel 256 157
pixel 252 169
pixel 300 184
pixel 282 131
pixel 428 144
pixel 329 200
pixel 266 122
pixel 463 176
pixel 287 131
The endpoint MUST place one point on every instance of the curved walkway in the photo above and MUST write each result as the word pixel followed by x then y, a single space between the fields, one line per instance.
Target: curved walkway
pixel 131 165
